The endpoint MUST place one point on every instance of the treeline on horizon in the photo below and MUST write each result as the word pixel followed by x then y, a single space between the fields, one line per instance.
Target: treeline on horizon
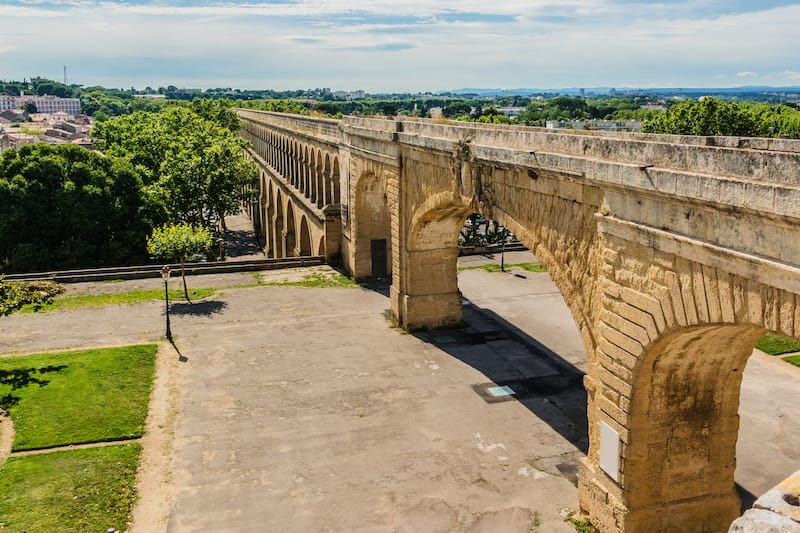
pixel 728 115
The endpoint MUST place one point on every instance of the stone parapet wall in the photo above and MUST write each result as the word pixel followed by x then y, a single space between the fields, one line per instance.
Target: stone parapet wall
pixel 777 511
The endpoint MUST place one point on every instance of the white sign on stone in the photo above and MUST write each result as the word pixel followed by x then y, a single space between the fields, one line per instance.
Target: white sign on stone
pixel 609 450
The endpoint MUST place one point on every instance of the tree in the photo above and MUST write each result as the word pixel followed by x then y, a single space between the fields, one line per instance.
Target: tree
pixel 218 111
pixel 194 166
pixel 709 116
pixel 29 107
pixel 68 207
pixel 179 242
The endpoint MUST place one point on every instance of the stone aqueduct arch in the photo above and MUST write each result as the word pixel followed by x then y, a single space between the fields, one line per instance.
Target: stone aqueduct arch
pixel 298 208
pixel 674 255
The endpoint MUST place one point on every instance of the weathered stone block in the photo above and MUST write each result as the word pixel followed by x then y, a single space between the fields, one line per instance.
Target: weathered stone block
pixel 762 521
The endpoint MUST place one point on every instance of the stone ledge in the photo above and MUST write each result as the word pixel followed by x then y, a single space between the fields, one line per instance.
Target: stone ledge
pixel 776 511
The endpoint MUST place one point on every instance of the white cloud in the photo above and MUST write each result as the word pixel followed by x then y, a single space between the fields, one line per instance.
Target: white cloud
pixel 390 45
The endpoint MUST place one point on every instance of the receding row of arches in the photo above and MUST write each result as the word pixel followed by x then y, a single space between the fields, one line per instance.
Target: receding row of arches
pixel 283 228
pixel 312 170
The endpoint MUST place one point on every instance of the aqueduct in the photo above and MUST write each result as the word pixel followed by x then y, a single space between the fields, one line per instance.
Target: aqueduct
pixel 674 255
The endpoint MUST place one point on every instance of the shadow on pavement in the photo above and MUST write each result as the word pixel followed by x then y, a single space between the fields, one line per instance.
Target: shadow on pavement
pixel 519 368
pixel 182 358
pixel 240 243
pixel 204 308
pixel 747 498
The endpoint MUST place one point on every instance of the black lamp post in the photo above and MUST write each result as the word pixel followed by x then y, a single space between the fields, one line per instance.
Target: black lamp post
pixel 165 276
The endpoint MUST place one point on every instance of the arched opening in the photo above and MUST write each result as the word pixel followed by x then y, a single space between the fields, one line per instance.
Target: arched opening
pixel 295 165
pixel 327 185
pixel 303 170
pixel 261 222
pixel 312 177
pixel 370 236
pixel 280 233
pixel 427 295
pixel 335 194
pixel 291 242
pixel 270 221
pixel 679 443
pixel 305 237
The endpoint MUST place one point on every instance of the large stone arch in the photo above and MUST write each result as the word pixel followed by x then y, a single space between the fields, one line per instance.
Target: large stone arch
pixel 370 226
pixel 674 336
pixel 426 294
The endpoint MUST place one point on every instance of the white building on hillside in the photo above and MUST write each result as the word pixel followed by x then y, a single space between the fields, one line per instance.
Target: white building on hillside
pixel 44 104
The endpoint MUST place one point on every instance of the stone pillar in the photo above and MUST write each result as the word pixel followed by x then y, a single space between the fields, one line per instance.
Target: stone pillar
pixel 673 338
pixel 425 294
pixel 279 242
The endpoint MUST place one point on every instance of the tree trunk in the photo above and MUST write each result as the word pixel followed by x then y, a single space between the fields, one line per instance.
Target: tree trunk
pixel 183 276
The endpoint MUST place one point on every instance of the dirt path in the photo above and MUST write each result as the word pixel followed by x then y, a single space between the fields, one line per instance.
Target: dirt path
pixel 154 483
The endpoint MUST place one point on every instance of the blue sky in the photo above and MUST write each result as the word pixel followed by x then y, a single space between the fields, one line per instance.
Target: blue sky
pixel 408 45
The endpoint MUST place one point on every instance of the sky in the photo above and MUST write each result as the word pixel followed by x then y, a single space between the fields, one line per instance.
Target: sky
pixel 402 45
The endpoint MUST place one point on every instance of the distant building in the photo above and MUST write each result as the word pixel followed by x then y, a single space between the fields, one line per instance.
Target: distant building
pixel 597 125
pixel 511 111
pixel 151 96
pixel 349 95
pixel 44 104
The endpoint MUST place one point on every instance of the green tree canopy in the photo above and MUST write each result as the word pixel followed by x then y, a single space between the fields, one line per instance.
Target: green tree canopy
pixel 219 111
pixel 193 165
pixel 179 242
pixel 709 116
pixel 67 207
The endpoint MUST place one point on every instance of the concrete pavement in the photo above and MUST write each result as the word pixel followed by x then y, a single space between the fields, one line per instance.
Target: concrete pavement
pixel 301 410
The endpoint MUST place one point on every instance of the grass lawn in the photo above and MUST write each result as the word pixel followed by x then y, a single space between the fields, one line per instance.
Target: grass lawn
pixel 493 267
pixel 777 344
pixel 75 490
pixel 317 279
pixel 793 360
pixel 131 297
pixel 77 397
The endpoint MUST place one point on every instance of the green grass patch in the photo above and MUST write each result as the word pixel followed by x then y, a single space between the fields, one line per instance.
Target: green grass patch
pixel 77 397
pixel 581 525
pixel 318 280
pixel 531 267
pixel 777 344
pixel 76 490
pixel 793 360
pixel 494 267
pixel 130 297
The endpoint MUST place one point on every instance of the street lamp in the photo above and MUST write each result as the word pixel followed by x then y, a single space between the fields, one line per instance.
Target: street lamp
pixel 165 276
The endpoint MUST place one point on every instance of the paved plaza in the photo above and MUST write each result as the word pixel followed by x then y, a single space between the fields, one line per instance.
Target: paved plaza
pixel 302 410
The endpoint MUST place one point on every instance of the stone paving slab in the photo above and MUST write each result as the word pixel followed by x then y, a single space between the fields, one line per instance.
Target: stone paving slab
pixel 349 426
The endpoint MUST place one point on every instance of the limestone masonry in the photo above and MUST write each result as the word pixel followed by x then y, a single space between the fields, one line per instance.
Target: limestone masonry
pixel 674 255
